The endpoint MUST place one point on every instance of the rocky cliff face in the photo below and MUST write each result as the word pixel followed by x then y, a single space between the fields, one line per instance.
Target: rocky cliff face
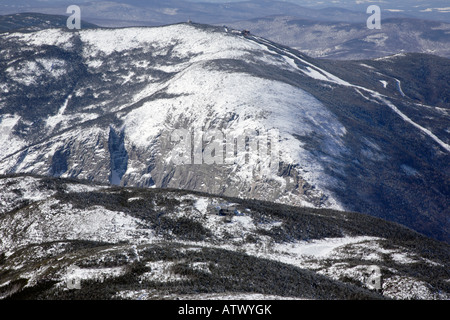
pixel 205 108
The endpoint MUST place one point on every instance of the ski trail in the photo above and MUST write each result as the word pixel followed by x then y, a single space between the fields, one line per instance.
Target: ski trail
pixel 399 86
pixel 312 71
pixel 407 119
pixel 320 74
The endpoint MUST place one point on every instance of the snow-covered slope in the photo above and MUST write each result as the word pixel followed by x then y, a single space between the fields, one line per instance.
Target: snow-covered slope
pixel 194 93
pixel 103 104
pixel 66 239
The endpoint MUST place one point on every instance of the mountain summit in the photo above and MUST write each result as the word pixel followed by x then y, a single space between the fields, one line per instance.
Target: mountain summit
pixel 123 106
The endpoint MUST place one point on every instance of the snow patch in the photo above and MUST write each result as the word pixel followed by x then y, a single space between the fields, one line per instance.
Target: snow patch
pixel 161 271
pixel 9 143
pixel 385 83
pixel 320 248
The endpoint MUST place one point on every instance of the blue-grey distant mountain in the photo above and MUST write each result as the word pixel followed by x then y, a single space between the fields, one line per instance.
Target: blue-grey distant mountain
pixel 437 10
pixel 117 13
pixel 35 21
pixel 347 40
pixel 155 12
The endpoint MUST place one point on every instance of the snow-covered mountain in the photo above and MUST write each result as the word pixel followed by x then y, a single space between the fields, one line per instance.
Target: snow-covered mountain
pixel 103 104
pixel 63 239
